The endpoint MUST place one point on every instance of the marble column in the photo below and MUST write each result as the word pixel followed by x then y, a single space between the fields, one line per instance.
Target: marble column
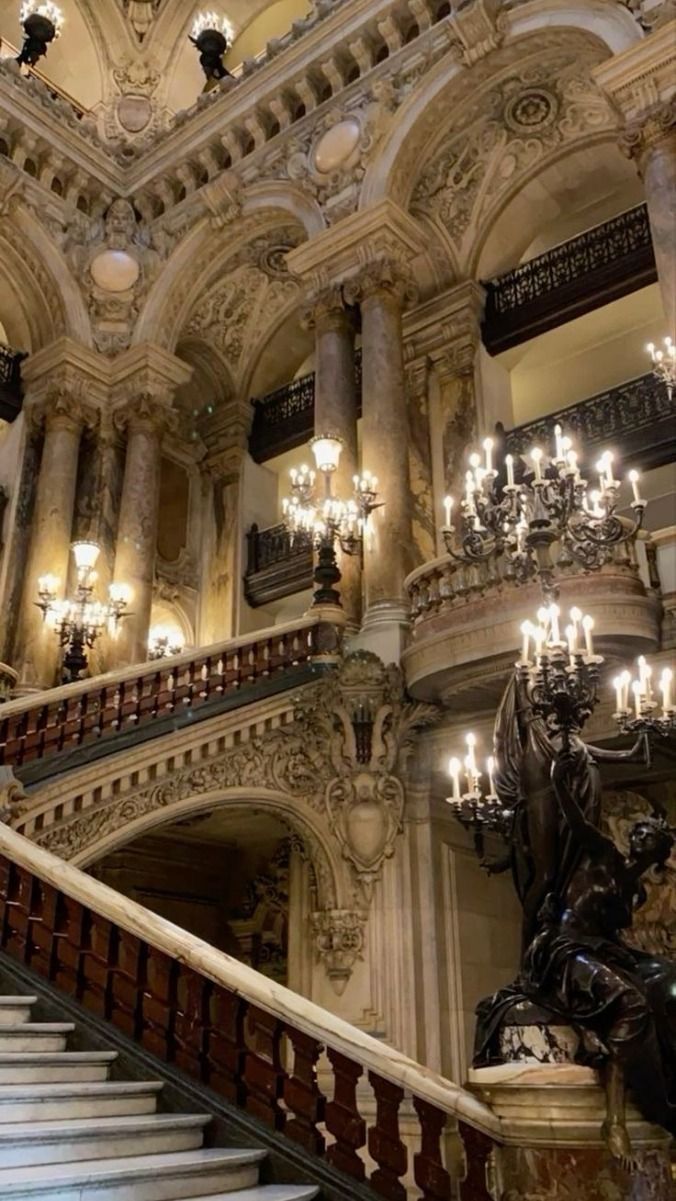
pixel 388 552
pixel 336 413
pixel 145 418
pixel 652 143
pixel 222 543
pixel 64 420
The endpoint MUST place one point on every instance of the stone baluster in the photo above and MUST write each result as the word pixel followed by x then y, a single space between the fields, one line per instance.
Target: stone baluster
pixel 64 420
pixel 639 83
pixel 381 289
pixel 145 418
pixel 336 413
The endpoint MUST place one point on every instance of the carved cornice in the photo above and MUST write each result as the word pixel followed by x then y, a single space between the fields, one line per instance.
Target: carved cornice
pixel 654 128
pixel 381 234
pixel 640 85
pixel 447 329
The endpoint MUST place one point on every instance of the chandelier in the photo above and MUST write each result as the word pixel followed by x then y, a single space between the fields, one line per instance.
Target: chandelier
pixel 315 514
pixel 558 673
pixel 664 363
pixel 42 23
pixel 165 641
pixel 547 518
pixel 211 35
pixel 80 620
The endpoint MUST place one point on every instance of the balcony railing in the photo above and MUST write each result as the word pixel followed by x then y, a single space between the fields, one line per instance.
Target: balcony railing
pixel 604 263
pixel 636 418
pixel 277 566
pixel 11 390
pixel 284 419
pixel 158 696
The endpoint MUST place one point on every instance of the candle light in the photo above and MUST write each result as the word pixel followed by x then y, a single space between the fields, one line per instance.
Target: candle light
pixel 626 681
pixel 536 456
pixel 454 766
pixel 509 464
pixel 633 479
pixel 619 694
pixel 588 626
pixel 527 631
pixel 554 613
pixel 294 475
pixel 571 635
pixel 559 443
pixel 488 447
pixel 572 465
pixel 490 769
pixel 665 689
pixel 471 744
pixel 636 689
pixel 448 508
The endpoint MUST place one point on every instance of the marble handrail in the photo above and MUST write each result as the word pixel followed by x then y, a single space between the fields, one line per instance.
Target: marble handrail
pixel 48 722
pixel 247 1037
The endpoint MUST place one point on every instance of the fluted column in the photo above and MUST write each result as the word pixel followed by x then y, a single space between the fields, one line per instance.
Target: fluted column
pixel 145 418
pixel 336 413
pixel 388 554
pixel 639 83
pixel 64 420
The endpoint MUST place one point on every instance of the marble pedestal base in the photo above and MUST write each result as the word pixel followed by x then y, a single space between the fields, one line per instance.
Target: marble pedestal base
pixel 552 1116
pixel 384 631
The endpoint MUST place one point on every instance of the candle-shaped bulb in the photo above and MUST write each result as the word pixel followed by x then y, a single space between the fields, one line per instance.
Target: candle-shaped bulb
pixel 553 614
pixel 490 771
pixel 527 631
pixel 619 691
pixel 571 636
pixel 633 480
pixel 448 509
pixel 536 456
pixel 588 626
pixel 576 615
pixel 638 695
pixel 488 448
pixel 558 440
pixel 454 766
pixel 665 688
pixel 509 464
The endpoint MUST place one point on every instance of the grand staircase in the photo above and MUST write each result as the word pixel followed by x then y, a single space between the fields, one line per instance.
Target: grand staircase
pixel 70 1132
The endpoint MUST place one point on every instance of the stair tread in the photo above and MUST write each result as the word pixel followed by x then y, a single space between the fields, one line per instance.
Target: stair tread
pixel 93 1088
pixel 24 1028
pixel 265 1192
pixel 60 1129
pixel 14 1057
pixel 133 1166
pixel 13 1002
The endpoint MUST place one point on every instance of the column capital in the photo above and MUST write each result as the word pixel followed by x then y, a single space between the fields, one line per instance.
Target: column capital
pixel 61 408
pixel 326 310
pixel 67 367
pixel 389 279
pixel 448 328
pixel 384 232
pixel 148 370
pixel 639 83
pixel 145 413
pixel 226 432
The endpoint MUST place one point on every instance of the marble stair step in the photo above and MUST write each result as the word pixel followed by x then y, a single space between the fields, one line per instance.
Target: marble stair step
pixel 266 1192
pixel 183 1176
pixel 47 1102
pixel 14 1010
pixel 25 1067
pixel 35 1036
pixel 22 1145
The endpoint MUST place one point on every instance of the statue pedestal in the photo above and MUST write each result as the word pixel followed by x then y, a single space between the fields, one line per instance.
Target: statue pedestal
pixel 552 1115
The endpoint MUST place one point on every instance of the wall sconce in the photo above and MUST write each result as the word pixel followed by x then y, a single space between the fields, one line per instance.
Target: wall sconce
pixel 165 641
pixel 42 23
pixel 80 620
pixel 210 35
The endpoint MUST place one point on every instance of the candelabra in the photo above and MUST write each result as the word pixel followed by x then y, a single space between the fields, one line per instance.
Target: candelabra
pixel 80 620
pixel 324 519
pixel 558 678
pixel 664 363
pixel 522 521
pixel 210 34
pixel 165 641
pixel 42 23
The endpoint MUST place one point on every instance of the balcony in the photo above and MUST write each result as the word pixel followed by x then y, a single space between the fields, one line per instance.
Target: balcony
pixel 604 263
pixel 276 565
pixel 11 390
pixel 635 418
pixel 285 419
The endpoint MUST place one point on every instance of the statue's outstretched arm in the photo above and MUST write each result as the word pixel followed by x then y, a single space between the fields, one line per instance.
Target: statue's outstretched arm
pixel 638 753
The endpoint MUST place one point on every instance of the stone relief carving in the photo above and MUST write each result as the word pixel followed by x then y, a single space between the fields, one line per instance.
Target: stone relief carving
pixel 115 261
pixel 339 943
pixel 528 113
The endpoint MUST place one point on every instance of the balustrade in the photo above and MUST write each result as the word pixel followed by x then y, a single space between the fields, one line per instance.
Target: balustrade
pixel 277 564
pixel 597 266
pixel 226 1026
pixel 284 419
pixel 106 707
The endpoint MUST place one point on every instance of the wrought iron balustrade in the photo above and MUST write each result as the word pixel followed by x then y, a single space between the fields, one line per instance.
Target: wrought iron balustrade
pixel 11 390
pixel 277 564
pixel 284 419
pixel 599 265
pixel 636 418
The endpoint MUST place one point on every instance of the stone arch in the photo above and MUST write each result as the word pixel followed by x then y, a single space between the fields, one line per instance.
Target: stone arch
pixel 50 298
pixel 331 873
pixel 394 168
pixel 198 261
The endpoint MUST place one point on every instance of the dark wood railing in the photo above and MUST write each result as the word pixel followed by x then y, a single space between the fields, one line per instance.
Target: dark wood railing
pixel 256 1044
pixel 11 390
pixel 108 707
pixel 636 418
pixel 284 419
pixel 277 564
pixel 600 265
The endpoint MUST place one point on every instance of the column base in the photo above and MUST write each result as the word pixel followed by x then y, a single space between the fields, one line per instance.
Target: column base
pixel 552 1116
pixel 384 631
